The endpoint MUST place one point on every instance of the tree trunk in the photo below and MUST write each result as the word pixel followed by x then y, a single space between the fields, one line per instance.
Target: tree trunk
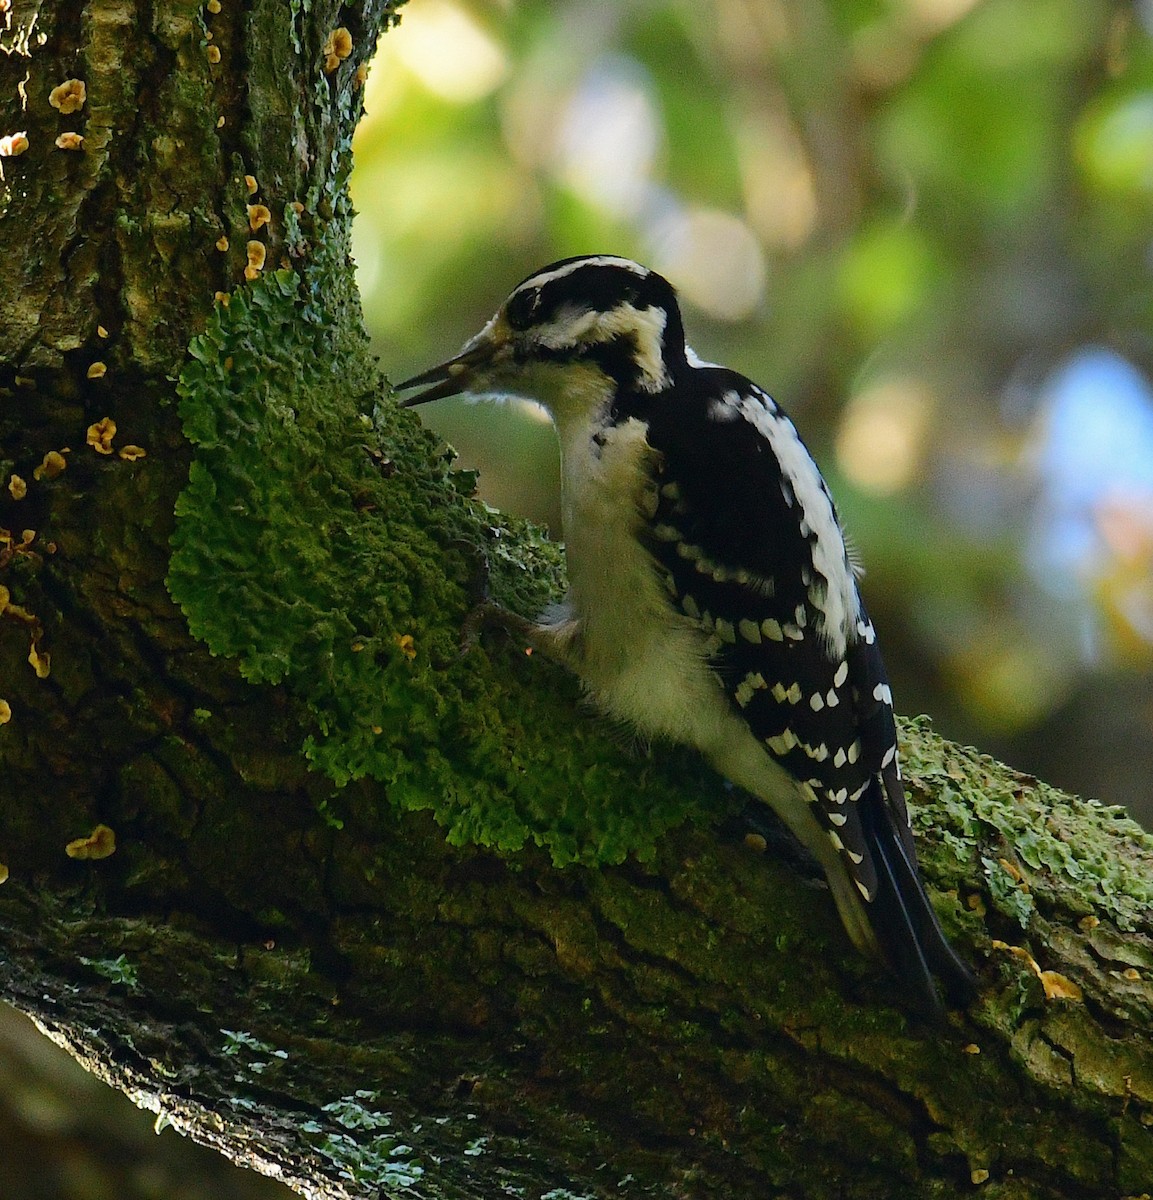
pixel 360 913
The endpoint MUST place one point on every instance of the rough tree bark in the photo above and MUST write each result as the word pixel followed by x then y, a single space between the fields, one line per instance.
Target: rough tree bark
pixel 378 920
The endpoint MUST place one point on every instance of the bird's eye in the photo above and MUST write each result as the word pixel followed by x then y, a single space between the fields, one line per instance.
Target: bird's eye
pixel 521 308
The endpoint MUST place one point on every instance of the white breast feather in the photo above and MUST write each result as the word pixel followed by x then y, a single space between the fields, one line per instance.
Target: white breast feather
pixel 640 659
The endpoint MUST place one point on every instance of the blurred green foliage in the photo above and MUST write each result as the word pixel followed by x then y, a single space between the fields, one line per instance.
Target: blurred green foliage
pixel 907 218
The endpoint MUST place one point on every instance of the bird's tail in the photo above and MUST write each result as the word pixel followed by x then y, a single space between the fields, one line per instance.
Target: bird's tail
pixel 905 926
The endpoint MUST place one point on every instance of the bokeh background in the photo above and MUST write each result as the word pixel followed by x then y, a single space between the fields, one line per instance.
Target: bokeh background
pixel 925 225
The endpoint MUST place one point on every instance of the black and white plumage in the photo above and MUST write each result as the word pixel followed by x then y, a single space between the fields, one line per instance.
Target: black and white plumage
pixel 712 599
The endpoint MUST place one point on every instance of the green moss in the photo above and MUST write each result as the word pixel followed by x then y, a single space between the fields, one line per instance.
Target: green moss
pixel 117 970
pixel 365 1153
pixel 325 544
pixel 1078 854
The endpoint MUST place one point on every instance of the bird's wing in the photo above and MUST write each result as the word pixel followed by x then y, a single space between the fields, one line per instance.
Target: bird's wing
pixel 748 534
pixel 744 528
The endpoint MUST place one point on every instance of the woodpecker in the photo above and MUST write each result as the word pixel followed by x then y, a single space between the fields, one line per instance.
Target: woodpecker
pixel 712 598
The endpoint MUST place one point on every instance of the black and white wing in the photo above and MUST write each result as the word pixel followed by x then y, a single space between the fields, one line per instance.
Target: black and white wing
pixel 748 535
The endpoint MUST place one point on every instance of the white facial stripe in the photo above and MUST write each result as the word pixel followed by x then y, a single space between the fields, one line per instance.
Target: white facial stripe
pixel 840 606
pixel 646 325
pixel 568 328
pixel 600 260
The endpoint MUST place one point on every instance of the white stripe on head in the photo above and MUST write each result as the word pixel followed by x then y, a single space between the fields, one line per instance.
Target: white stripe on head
pixel 596 260
pixel 646 325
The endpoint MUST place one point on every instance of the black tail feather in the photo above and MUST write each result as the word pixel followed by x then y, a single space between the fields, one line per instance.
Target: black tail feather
pixel 902 917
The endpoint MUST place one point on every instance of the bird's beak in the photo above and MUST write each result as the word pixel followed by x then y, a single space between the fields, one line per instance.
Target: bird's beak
pixel 458 374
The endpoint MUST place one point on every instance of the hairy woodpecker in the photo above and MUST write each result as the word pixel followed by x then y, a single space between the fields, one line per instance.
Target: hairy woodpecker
pixel 712 600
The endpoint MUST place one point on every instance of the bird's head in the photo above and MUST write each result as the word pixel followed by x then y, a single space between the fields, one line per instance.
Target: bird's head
pixel 574 333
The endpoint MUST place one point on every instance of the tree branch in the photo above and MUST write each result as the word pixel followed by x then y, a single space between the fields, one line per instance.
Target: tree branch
pixel 383 921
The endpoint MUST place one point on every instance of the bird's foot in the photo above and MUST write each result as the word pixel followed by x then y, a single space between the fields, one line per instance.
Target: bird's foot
pixel 487 614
